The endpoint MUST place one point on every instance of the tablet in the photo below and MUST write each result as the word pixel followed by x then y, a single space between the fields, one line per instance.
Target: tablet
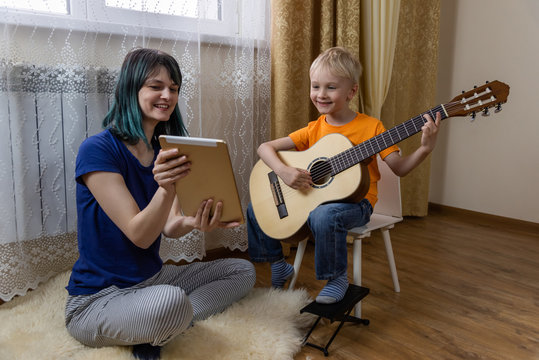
pixel 211 176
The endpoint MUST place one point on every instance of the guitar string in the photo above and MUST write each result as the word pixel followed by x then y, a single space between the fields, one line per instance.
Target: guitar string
pixel 322 171
pixel 408 126
pixel 325 171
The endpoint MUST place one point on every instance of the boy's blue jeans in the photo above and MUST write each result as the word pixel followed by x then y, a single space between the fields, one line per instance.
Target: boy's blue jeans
pixel 329 224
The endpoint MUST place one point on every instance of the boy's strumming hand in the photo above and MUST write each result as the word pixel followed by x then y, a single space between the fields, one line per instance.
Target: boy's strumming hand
pixel 296 178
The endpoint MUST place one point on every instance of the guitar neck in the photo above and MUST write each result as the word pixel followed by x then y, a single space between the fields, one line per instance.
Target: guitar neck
pixel 366 149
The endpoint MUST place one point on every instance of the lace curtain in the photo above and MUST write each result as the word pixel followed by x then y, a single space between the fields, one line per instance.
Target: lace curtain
pixel 57 78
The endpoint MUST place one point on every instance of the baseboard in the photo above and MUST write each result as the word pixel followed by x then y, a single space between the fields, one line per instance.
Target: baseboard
pixel 483 217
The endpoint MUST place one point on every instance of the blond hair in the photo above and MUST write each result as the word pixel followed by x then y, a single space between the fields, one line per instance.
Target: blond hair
pixel 340 62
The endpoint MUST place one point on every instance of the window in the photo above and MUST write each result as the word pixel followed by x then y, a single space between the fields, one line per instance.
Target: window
pixel 54 6
pixel 206 10
pixel 165 17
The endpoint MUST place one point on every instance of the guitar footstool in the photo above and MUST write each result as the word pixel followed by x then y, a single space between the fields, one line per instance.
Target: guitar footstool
pixel 339 311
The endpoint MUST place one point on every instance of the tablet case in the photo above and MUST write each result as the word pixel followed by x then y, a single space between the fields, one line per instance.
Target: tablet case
pixel 211 176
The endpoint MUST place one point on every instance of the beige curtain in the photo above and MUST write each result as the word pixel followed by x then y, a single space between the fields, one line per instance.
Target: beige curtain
pixel 413 89
pixel 301 29
pixel 379 22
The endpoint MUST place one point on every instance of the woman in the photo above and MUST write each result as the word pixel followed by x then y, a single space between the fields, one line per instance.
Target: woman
pixel 120 293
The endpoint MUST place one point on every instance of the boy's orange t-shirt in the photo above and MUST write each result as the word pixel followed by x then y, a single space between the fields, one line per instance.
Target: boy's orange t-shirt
pixel 360 129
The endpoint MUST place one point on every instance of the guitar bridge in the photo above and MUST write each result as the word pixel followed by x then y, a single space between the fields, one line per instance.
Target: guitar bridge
pixel 277 195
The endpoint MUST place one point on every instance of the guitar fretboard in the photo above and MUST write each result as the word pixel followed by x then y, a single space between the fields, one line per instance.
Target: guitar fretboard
pixel 366 149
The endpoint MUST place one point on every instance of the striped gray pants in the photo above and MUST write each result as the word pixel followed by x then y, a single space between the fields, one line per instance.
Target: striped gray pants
pixel 161 307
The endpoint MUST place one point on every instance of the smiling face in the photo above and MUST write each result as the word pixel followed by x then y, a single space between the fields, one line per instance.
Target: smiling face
pixel 158 96
pixel 330 93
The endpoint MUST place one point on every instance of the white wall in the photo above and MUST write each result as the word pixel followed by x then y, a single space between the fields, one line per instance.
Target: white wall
pixel 490 165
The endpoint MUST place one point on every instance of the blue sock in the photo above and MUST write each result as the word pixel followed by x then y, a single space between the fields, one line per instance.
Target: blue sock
pixel 334 290
pixel 280 272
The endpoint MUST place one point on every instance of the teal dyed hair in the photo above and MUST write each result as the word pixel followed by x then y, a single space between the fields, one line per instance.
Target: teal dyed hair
pixel 124 118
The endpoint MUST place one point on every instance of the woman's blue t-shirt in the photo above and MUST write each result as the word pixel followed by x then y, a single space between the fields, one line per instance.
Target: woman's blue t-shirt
pixel 106 256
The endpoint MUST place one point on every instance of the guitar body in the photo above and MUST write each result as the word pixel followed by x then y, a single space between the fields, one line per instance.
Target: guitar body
pixel 349 185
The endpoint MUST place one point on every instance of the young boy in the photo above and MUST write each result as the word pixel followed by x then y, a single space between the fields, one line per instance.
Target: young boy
pixel 334 82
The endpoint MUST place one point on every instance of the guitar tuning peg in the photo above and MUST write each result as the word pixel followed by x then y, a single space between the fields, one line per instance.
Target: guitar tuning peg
pixel 485 112
pixel 463 91
pixel 472 115
pixel 498 108
pixel 486 82
pixel 475 86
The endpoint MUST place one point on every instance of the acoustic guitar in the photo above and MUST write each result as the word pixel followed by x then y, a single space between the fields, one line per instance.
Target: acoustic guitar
pixel 282 211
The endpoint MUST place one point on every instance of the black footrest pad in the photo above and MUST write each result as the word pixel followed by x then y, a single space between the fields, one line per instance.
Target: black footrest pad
pixel 335 311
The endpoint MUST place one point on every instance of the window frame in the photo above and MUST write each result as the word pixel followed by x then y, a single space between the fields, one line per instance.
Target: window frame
pixel 95 16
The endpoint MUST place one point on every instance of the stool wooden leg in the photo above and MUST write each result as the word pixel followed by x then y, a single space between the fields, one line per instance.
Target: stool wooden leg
pixel 357 272
pixel 391 259
pixel 297 262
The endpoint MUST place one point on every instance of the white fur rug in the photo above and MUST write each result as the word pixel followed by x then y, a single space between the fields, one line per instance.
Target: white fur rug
pixel 266 324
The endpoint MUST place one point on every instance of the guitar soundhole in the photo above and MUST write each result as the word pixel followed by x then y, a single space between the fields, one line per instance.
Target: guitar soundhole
pixel 320 172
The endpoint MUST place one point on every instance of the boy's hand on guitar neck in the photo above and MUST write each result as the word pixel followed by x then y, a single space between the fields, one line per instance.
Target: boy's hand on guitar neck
pixel 430 132
pixel 402 165
pixel 297 179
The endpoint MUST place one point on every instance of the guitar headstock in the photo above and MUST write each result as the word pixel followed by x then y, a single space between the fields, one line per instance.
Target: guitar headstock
pixel 479 99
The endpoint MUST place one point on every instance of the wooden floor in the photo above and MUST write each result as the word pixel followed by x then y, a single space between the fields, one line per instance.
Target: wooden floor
pixel 469 290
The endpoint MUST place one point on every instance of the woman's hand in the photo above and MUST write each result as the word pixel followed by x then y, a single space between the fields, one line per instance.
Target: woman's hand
pixel 170 167
pixel 204 221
